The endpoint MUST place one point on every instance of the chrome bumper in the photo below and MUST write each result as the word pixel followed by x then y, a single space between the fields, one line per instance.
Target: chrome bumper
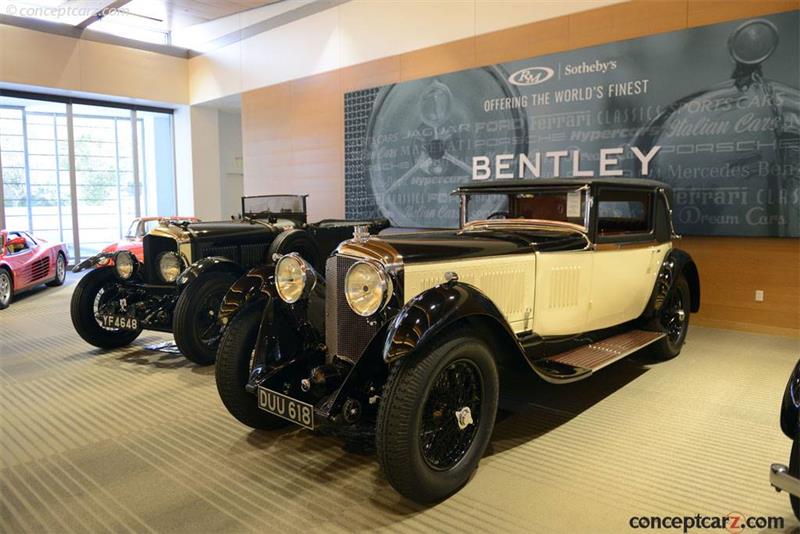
pixel 781 480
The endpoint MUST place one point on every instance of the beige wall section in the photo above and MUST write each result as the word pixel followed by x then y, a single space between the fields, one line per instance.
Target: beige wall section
pixel 292 137
pixel 45 60
pixel 356 32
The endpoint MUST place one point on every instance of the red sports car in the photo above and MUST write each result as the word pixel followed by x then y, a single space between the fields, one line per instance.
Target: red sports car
pixel 27 261
pixel 132 241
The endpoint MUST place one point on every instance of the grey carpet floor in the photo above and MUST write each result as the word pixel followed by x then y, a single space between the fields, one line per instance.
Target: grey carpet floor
pixel 134 440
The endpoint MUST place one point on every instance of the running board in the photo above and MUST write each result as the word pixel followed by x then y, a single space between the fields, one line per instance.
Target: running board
pixel 581 362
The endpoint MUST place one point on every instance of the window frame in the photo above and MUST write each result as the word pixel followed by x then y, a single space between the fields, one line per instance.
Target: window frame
pixel 637 237
pixel 140 194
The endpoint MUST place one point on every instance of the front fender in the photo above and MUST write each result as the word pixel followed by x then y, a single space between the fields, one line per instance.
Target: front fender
pixel 251 287
pixel 97 259
pixel 790 406
pixel 432 311
pixel 208 265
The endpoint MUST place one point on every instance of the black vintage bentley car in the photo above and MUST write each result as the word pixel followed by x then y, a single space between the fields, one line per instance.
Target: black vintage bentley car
pixel 405 338
pixel 781 477
pixel 187 269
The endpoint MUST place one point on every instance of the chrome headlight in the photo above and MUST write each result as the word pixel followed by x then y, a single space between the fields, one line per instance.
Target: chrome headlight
pixel 367 288
pixel 124 264
pixel 170 266
pixel 294 278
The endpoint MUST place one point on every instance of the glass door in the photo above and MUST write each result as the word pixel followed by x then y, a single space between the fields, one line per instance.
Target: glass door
pixel 120 165
pixel 35 168
pixel 104 177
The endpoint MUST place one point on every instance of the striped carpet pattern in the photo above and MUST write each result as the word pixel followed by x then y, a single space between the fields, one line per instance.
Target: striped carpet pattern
pixel 133 440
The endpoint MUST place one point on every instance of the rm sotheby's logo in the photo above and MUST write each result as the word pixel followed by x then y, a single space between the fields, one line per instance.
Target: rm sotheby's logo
pixel 531 76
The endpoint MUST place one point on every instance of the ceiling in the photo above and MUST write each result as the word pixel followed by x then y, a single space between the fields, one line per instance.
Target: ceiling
pixel 145 20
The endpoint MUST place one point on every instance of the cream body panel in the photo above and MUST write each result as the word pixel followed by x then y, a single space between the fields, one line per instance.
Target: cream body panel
pixel 507 280
pixel 563 288
pixel 623 280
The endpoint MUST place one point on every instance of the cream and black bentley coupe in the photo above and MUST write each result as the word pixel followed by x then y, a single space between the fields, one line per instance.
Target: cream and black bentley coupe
pixel 404 340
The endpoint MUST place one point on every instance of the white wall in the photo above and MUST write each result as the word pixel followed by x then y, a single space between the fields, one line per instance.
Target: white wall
pixel 205 162
pixel 230 162
pixel 351 33
pixel 208 160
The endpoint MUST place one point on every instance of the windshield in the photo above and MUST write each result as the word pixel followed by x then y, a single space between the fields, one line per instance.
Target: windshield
pixel 262 206
pixel 132 229
pixel 560 205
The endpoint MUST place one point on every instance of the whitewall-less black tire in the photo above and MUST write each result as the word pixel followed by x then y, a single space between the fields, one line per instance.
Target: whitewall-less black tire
pixel 674 321
pixel 794 470
pixel 233 370
pixel 436 417
pixel 194 323
pixel 83 307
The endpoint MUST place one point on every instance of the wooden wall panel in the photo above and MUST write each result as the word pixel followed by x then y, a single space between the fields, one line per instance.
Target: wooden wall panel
pixel 293 142
pixel 371 74
pixel 625 21
pixel 732 269
pixel 702 12
pixel 450 57
pixel 521 42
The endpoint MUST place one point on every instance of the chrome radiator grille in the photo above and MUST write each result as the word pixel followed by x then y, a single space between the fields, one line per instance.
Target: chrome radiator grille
pixel 346 333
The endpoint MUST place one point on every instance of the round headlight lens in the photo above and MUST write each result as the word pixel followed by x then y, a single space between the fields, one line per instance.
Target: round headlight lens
pixel 366 288
pixel 169 266
pixel 124 264
pixel 292 278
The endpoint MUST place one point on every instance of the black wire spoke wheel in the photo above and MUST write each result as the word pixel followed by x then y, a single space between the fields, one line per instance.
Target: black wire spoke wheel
pixel 94 295
pixel 673 317
pixel 207 318
pixel 673 320
pixel 451 415
pixel 104 304
pixel 436 416
pixel 194 321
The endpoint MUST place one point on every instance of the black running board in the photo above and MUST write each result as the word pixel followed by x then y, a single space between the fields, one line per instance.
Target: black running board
pixel 581 362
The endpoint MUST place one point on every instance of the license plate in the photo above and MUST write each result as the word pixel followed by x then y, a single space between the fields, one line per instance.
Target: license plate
pixel 121 322
pixel 286 407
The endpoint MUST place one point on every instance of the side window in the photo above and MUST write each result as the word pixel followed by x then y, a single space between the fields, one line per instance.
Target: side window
pixel 17 242
pixel 623 213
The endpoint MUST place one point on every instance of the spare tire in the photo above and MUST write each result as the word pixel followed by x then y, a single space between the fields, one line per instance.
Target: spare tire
pixel 298 241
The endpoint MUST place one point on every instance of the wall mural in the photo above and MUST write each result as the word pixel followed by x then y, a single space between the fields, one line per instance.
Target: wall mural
pixel 713 111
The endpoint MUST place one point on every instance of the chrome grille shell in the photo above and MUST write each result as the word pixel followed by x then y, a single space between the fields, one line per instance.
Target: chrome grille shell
pixel 347 334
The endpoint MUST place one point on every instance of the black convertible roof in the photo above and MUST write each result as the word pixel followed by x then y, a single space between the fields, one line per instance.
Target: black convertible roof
pixel 511 185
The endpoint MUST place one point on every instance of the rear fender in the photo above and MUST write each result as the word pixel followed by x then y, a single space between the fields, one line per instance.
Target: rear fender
pixel 676 263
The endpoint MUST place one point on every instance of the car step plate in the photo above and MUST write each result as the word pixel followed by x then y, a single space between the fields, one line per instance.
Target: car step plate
pixel 595 356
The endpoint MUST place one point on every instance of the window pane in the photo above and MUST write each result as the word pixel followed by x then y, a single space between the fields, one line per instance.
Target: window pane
pixel 36 195
pixel 623 212
pixel 106 205
pixel 36 170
